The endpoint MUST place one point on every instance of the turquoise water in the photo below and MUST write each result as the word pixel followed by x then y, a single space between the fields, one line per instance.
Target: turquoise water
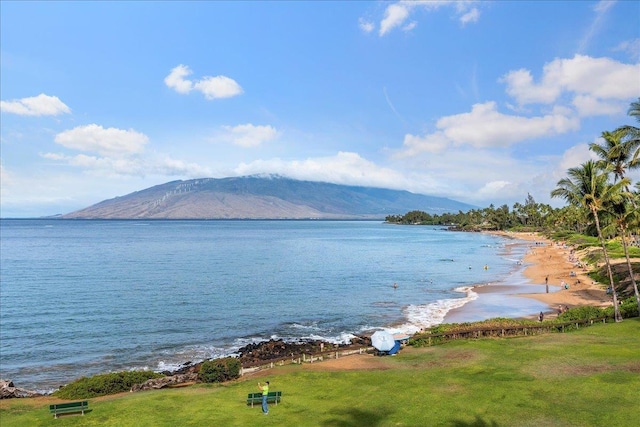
pixel 85 297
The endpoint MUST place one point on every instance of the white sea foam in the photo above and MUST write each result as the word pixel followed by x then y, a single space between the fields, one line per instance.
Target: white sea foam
pixel 352 295
pixel 168 366
pixel 418 317
pixel 428 315
pixel 340 338
pixel 313 326
pixel 174 360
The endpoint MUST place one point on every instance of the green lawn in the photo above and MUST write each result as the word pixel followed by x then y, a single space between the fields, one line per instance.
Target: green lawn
pixel 589 377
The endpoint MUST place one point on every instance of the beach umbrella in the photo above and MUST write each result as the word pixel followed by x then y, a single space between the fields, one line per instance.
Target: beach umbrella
pixel 382 340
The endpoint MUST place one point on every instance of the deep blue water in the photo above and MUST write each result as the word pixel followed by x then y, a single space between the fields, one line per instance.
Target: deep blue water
pixel 84 297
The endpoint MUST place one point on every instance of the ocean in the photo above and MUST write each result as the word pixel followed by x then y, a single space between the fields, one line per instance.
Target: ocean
pixel 79 298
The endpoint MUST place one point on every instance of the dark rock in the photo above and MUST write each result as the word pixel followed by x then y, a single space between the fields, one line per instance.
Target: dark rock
pixel 157 383
pixel 253 354
pixel 265 351
pixel 9 391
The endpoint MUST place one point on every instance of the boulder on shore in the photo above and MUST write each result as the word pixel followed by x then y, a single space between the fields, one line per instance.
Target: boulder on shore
pixel 265 351
pixel 156 383
pixel 9 391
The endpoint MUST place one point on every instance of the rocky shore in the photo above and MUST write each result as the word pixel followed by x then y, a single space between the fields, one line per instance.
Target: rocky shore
pixel 9 391
pixel 249 356
pixel 273 350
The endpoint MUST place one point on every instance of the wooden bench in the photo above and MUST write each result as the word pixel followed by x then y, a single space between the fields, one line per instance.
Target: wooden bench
pixel 69 408
pixel 272 397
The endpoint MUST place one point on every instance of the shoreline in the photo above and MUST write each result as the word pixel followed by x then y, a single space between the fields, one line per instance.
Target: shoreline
pixel 545 263
pixel 523 291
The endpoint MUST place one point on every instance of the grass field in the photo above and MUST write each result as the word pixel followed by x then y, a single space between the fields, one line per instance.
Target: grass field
pixel 589 377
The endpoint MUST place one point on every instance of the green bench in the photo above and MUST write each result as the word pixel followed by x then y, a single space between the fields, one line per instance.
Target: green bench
pixel 68 408
pixel 272 397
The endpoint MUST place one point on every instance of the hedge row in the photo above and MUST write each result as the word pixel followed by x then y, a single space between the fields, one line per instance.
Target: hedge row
pixel 104 384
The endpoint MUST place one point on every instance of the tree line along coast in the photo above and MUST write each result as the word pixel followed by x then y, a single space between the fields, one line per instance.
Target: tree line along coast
pixel 602 211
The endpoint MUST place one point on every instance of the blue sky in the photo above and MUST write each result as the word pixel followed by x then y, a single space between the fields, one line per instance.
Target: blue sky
pixel 482 102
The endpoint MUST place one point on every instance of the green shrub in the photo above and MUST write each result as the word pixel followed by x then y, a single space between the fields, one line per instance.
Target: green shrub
pixel 219 370
pixel 582 313
pixel 101 385
pixel 430 336
pixel 628 308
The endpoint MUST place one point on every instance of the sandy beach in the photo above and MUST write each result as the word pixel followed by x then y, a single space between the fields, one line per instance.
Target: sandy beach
pixel 544 259
pixel 548 267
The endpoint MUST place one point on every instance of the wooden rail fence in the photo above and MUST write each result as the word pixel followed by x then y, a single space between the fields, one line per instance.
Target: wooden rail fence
pixel 304 358
pixel 504 331
pixel 428 339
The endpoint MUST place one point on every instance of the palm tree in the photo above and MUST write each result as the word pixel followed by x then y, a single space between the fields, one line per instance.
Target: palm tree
pixel 625 215
pixel 634 109
pixel 588 187
pixel 615 153
pixel 632 135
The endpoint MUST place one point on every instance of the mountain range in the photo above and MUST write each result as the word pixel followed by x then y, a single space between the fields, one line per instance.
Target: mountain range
pixel 264 197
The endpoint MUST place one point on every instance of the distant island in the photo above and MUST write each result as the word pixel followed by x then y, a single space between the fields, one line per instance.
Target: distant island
pixel 264 197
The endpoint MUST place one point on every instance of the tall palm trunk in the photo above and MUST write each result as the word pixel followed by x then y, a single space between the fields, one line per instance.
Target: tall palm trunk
pixel 616 309
pixel 631 274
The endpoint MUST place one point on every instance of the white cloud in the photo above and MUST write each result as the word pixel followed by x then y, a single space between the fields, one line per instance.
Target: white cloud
pixel 167 166
pixel 434 143
pixel 520 85
pixel 573 157
pixel 485 127
pixel 410 26
pixel 490 189
pixel 396 14
pixel 218 87
pixel 44 191
pixel 602 78
pixel 591 106
pixel 131 166
pixel 110 141
pixel 249 135
pixel 631 47
pixel 120 153
pixel 601 8
pixel 18 198
pixel 393 108
pixel 41 105
pixel 211 87
pixel 106 166
pixel 176 79
pixel 366 26
pixel 472 15
pixel 346 168
pixel 5 178
pixel 477 175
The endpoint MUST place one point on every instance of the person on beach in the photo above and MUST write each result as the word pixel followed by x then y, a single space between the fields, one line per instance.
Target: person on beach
pixel 265 394
pixel 541 317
